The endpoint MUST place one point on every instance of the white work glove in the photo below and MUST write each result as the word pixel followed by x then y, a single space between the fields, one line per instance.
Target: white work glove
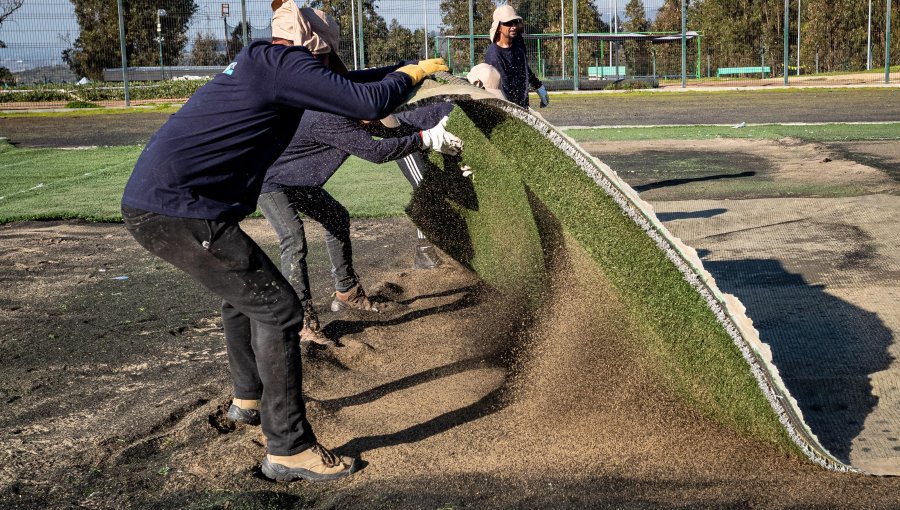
pixel 439 139
pixel 545 97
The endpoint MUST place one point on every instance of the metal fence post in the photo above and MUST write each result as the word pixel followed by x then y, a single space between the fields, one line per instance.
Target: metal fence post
pixel 887 44
pixel 362 47
pixel 575 44
pixel 471 34
pixel 244 21
pixel 122 50
pixel 787 28
pixel 684 44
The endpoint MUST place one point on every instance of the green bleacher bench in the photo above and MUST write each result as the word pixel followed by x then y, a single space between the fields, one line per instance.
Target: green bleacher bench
pixel 726 71
pixel 602 71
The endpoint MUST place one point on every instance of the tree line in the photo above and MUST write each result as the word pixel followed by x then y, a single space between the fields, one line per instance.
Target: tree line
pixel 734 33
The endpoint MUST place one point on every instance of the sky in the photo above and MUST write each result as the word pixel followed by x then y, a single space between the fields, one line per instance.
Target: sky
pixel 37 33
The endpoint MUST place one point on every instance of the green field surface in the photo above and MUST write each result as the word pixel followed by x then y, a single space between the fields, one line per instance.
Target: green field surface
pixel 811 133
pixel 88 184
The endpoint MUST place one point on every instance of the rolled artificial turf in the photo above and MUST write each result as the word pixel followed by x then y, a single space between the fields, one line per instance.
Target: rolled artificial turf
pixel 533 197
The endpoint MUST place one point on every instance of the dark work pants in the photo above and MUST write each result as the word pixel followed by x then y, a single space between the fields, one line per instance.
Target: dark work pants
pixel 261 315
pixel 283 210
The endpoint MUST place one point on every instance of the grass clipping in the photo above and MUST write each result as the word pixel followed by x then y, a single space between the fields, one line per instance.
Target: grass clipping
pixel 532 193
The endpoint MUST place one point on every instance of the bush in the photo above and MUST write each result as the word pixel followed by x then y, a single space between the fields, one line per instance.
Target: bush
pixel 101 91
pixel 81 104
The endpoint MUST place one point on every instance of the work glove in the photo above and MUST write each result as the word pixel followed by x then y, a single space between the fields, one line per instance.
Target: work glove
pixel 433 65
pixel 439 139
pixel 545 97
pixel 418 72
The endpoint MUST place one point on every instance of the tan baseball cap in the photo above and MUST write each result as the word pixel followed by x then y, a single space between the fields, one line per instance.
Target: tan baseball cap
pixel 486 76
pixel 502 14
pixel 312 28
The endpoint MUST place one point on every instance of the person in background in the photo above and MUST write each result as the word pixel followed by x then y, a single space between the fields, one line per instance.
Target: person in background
pixel 507 55
pixel 201 173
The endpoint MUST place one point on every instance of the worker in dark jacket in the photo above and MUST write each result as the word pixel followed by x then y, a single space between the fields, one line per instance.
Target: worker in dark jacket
pixel 506 53
pixel 201 173
pixel 294 186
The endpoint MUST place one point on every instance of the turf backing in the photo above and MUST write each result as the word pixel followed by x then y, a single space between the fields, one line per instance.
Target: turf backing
pixel 524 189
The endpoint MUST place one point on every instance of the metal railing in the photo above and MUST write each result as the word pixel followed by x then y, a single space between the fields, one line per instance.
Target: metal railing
pixel 572 44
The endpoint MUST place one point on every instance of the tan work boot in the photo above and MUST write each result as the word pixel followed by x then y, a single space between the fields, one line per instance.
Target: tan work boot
pixel 311 332
pixel 315 464
pixel 353 299
pixel 244 411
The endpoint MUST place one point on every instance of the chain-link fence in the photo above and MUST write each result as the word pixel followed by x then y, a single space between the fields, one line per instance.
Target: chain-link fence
pixel 50 45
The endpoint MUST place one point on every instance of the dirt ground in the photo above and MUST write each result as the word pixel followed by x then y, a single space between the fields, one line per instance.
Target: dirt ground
pixel 114 377
pixel 115 390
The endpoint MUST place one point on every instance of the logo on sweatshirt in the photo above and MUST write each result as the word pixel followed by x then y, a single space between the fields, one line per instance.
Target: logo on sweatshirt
pixel 230 69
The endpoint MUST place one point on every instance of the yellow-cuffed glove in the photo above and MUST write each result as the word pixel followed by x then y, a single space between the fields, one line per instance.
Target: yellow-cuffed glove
pixel 433 65
pixel 415 72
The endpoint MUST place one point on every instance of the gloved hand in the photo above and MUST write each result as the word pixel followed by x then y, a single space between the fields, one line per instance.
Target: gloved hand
pixel 439 139
pixel 433 65
pixel 419 71
pixel 545 97
pixel 415 72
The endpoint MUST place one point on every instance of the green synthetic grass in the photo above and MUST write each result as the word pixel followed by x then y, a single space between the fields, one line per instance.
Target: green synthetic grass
pixel 62 184
pixel 811 133
pixel 88 184
pixel 690 349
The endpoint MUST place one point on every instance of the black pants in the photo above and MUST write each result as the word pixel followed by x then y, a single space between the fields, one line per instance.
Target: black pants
pixel 261 314
pixel 413 166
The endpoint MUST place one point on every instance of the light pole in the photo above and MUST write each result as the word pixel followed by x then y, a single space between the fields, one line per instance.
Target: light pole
pixel 425 12
pixel 160 13
pixel 353 34
pixel 562 38
pixel 225 11
pixel 798 36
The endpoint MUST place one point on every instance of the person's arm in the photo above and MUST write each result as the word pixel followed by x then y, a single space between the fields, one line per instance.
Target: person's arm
pixel 349 136
pixel 301 81
pixel 533 80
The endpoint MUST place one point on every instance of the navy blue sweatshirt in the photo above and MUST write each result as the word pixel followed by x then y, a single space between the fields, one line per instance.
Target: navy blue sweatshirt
pixel 209 159
pixel 323 142
pixel 515 75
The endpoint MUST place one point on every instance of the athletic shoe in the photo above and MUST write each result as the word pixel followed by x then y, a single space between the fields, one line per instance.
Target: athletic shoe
pixel 426 257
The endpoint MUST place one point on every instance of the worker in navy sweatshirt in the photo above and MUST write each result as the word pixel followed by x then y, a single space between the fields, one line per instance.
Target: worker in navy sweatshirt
pixel 294 186
pixel 201 173
pixel 506 53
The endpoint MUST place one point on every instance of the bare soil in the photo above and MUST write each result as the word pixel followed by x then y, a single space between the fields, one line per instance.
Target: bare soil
pixel 115 390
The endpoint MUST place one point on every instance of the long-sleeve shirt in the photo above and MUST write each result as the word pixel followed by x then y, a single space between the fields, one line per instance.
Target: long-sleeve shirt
pixel 515 74
pixel 209 159
pixel 323 142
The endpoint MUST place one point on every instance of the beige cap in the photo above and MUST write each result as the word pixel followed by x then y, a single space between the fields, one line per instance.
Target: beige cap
pixel 502 14
pixel 312 28
pixel 485 75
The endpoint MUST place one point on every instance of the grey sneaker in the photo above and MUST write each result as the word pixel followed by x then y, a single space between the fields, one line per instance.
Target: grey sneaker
pixel 311 332
pixel 426 257
pixel 316 464
pixel 245 416
pixel 353 299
